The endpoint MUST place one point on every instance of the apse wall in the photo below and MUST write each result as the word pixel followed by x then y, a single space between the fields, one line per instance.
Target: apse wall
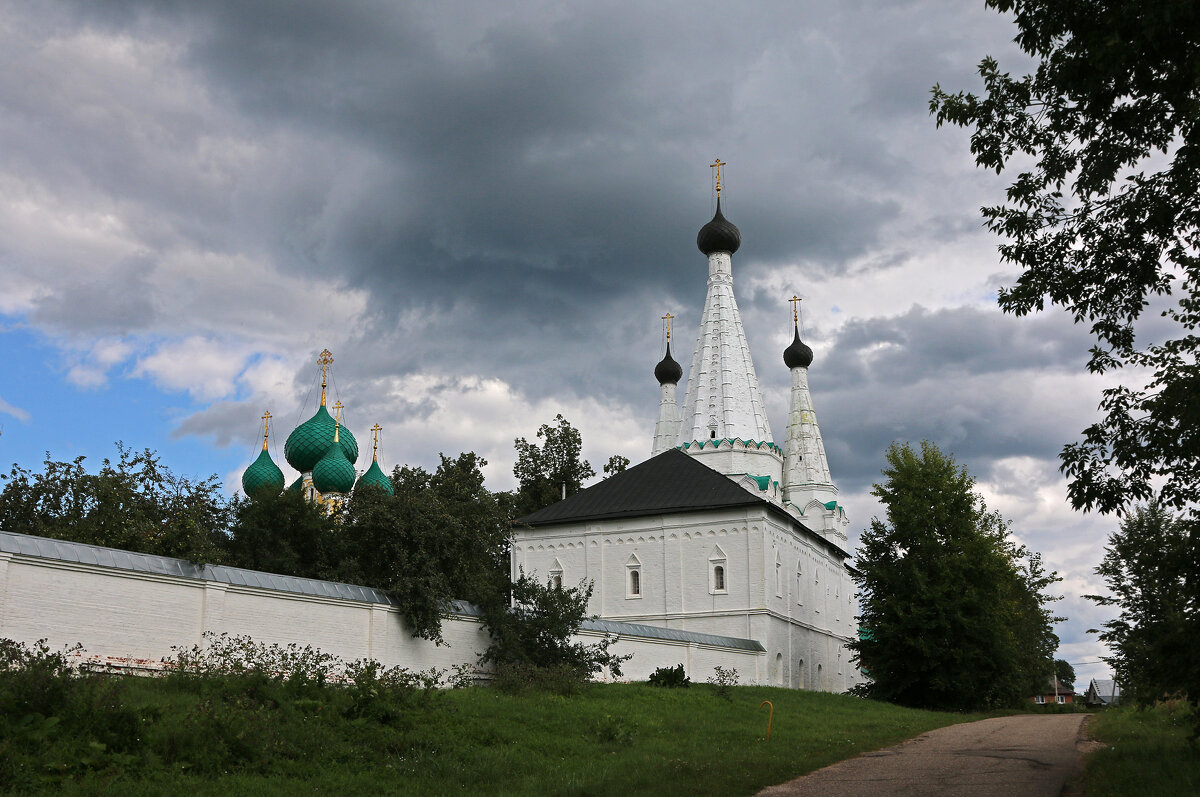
pixel 129 610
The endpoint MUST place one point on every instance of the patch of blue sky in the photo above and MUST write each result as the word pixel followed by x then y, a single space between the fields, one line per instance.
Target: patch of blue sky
pixel 48 413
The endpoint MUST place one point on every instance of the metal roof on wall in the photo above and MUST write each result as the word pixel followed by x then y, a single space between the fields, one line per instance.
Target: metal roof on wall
pixel 82 553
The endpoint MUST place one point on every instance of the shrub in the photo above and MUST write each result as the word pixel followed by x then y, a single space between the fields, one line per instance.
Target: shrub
pixel 670 677
pixel 723 680
pixel 534 632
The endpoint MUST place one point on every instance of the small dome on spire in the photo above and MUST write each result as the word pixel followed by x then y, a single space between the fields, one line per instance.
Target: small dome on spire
pixel 263 478
pixel 375 477
pixel 719 235
pixel 797 355
pixel 668 372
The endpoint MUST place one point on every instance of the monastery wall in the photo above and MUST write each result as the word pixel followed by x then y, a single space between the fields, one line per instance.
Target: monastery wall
pixel 131 618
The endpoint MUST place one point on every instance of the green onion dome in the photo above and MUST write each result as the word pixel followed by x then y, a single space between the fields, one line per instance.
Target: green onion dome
pixel 375 477
pixel 263 478
pixel 333 473
pixel 309 441
pixel 297 486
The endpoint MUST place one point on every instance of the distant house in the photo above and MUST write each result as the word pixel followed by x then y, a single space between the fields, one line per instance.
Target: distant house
pixel 1103 692
pixel 1055 692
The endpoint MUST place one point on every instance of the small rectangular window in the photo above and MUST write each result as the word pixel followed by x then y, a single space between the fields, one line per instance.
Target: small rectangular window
pixel 635 583
pixel 1061 698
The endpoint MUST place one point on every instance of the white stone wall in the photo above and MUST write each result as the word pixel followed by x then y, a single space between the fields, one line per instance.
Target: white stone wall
pixel 132 619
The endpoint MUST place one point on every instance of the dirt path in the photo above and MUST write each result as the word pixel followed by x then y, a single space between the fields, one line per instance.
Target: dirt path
pixel 1024 756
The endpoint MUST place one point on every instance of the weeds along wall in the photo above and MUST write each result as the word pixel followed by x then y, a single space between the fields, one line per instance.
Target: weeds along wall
pixel 128 610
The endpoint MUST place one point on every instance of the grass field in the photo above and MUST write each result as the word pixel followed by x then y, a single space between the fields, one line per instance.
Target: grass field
pixel 1147 754
pixel 230 736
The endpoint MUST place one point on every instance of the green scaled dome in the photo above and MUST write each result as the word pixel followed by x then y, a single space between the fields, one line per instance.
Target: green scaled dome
pixel 309 441
pixel 375 477
pixel 263 478
pixel 333 472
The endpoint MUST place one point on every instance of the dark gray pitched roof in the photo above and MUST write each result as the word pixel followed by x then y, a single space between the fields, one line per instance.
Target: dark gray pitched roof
pixel 669 482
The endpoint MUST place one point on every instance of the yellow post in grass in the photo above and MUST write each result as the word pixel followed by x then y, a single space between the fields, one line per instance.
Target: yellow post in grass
pixel 770 714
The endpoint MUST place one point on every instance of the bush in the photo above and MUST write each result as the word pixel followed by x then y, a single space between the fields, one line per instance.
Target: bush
pixel 723 680
pixel 670 678
pixel 534 633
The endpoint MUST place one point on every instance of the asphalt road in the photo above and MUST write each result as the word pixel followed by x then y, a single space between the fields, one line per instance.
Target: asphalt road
pixel 1023 756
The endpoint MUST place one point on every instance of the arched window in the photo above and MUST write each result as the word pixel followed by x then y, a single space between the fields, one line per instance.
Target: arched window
pixel 716 571
pixel 633 577
pixel 556 575
pixel 799 584
pixel 778 576
pixel 635 582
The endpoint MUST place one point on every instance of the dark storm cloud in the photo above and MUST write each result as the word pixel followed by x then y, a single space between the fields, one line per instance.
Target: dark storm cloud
pixel 533 169
pixel 976 382
pixel 119 305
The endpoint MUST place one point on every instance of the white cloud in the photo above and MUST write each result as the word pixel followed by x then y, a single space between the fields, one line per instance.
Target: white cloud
pixel 9 409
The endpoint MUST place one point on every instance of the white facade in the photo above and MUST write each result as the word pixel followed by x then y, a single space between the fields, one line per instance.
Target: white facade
pixel 774 571
pixel 739 572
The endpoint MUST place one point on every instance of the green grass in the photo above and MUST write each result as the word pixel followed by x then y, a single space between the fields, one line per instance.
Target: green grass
pixel 239 736
pixel 1147 754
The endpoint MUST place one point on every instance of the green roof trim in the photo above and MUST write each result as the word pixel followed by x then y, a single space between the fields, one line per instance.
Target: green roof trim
pixel 763 481
pixel 732 441
pixel 831 505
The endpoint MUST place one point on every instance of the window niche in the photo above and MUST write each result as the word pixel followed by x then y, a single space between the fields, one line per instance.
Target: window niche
pixel 718 572
pixel 633 578
pixel 556 575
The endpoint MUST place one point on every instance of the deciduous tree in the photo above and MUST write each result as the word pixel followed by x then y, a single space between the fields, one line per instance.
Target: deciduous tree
pixel 1103 219
pixel 1152 569
pixel 548 470
pixel 954 613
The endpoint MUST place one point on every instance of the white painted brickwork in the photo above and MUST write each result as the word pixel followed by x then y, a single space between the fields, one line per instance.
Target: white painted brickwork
pixel 723 398
pixel 805 620
pixel 132 619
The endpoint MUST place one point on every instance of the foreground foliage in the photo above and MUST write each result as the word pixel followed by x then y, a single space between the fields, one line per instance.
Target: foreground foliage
pixel 1147 754
pixel 1103 219
pixel 953 612
pixel 248 720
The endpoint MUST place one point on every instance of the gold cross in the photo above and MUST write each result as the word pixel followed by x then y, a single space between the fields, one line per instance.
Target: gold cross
pixel 795 300
pixel 717 164
pixel 324 359
pixel 375 430
pixel 266 418
pixel 668 318
pixel 337 411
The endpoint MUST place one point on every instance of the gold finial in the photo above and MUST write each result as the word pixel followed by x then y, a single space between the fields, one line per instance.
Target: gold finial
pixel 266 419
pixel 336 428
pixel 717 164
pixel 667 318
pixel 375 430
pixel 324 359
pixel 337 411
pixel 795 300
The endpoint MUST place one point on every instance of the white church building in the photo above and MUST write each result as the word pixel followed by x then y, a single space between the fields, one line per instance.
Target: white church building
pixel 721 531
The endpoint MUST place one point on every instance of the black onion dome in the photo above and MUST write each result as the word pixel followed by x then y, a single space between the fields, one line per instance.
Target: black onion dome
pixel 797 355
pixel 719 235
pixel 668 372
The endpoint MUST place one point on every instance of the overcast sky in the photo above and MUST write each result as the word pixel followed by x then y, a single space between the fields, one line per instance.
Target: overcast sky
pixel 483 209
